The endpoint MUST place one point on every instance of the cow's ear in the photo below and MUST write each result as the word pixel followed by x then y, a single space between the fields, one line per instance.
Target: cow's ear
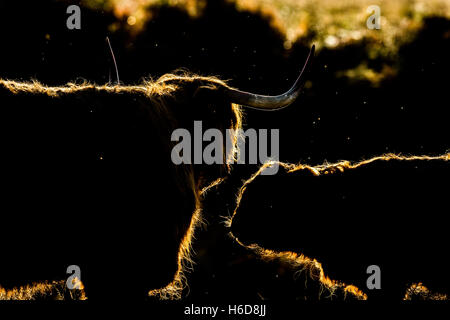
pixel 204 90
pixel 207 96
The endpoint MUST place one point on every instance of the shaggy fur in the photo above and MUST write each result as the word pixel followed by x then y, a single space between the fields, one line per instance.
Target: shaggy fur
pixel 48 290
pixel 418 292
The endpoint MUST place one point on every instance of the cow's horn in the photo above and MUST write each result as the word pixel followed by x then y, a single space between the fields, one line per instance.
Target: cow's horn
pixel 270 103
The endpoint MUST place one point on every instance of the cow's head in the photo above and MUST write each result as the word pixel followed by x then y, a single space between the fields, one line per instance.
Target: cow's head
pixel 192 98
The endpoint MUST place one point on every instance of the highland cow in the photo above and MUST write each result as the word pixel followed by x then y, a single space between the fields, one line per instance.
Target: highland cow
pixel 87 177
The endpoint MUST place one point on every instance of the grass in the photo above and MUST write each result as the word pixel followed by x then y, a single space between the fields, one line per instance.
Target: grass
pixel 327 22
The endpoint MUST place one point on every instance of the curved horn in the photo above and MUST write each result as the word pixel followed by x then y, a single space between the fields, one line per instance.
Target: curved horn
pixel 270 103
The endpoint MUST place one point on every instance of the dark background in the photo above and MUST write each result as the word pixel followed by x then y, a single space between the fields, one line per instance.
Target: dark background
pixel 390 208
